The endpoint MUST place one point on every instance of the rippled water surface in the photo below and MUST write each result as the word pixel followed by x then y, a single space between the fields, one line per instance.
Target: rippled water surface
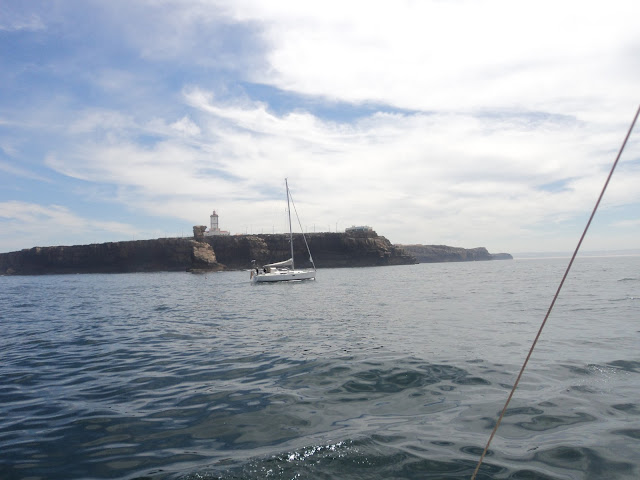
pixel 372 373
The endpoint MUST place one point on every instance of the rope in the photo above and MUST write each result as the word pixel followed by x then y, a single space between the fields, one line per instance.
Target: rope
pixel 566 273
pixel 303 237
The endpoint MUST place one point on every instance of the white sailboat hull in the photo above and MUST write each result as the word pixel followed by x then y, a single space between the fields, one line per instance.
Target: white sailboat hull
pixel 283 276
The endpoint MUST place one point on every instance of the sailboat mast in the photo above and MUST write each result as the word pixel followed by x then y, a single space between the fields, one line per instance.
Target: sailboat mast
pixel 293 265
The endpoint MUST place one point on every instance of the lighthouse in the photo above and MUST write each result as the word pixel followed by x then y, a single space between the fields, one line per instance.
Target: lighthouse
pixel 215 228
pixel 214 222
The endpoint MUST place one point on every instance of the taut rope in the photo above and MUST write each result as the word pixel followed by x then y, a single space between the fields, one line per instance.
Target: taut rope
pixel 303 236
pixel 555 297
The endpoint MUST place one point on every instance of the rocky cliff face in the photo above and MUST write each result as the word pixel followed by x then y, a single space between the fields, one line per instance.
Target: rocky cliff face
pixel 163 254
pixel 443 253
pixel 361 249
pixel 205 254
pixel 328 250
pixel 356 249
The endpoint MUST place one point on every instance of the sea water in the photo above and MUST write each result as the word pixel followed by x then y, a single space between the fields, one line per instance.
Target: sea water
pixel 368 373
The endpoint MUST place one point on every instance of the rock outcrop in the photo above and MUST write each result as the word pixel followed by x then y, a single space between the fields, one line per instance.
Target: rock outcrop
pixel 198 232
pixel 443 253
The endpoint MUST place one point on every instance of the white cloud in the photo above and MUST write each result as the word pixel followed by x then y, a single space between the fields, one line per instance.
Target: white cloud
pixel 92 120
pixel 13 22
pixel 496 119
pixel 417 178
pixel 632 223
pixel 186 127
pixel 21 172
pixel 459 55
pixel 576 57
pixel 47 225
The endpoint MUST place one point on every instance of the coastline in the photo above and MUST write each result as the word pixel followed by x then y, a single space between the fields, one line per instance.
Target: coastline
pixel 218 253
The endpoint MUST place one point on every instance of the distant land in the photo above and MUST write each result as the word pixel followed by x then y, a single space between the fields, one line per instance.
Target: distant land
pixel 588 253
pixel 443 253
pixel 235 252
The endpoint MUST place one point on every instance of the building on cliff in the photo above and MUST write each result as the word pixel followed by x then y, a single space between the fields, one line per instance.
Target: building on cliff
pixel 361 228
pixel 215 229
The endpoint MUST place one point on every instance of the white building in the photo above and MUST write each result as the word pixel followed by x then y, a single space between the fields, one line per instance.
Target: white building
pixel 215 229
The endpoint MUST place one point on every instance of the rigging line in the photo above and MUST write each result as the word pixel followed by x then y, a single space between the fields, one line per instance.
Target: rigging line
pixel 566 273
pixel 303 237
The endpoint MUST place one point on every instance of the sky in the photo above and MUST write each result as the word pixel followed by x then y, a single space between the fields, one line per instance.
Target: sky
pixel 453 122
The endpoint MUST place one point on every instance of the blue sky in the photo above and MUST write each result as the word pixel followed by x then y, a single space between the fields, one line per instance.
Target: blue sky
pixel 438 122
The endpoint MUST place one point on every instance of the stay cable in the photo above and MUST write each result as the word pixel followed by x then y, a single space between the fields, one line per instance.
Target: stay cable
pixel 555 297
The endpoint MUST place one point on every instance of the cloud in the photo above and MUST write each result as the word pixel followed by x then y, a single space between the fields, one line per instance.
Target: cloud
pixel 21 172
pixel 632 223
pixel 435 122
pixel 11 21
pixel 186 127
pixel 47 225
pixel 458 55
pixel 416 177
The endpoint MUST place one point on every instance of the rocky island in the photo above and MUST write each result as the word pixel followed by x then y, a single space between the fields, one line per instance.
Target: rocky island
pixel 214 253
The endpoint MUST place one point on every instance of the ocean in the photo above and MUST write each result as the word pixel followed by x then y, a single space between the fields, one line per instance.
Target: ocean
pixel 366 373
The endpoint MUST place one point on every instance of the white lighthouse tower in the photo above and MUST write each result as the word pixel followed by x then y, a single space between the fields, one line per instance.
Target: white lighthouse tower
pixel 214 222
pixel 215 229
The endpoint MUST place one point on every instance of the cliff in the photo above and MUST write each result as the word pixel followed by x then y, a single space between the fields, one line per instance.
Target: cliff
pixel 328 250
pixel 443 253
pixel 205 254
pixel 199 254
pixel 163 254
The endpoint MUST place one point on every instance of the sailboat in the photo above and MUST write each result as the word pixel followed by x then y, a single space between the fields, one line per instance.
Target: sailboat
pixel 285 270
